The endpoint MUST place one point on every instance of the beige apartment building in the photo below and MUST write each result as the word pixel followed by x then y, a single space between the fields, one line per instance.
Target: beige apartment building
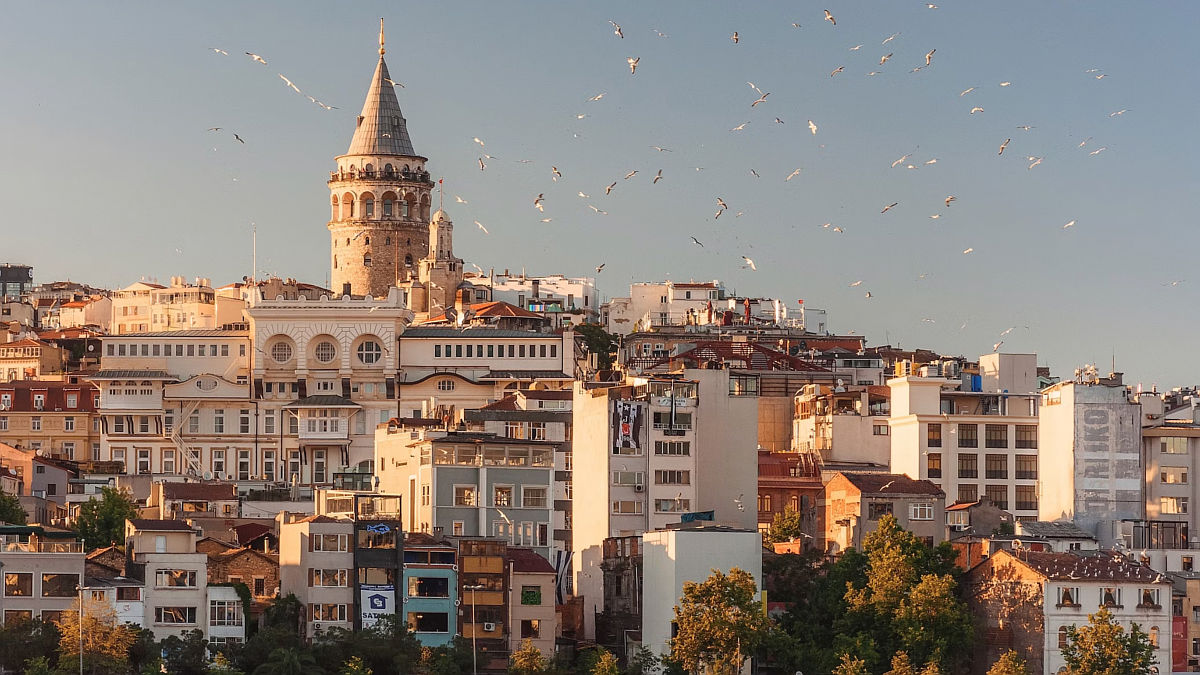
pixel 41 569
pixel 316 561
pixel 57 417
pixel 853 504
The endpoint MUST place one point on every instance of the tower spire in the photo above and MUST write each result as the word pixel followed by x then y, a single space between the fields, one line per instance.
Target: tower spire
pixel 382 51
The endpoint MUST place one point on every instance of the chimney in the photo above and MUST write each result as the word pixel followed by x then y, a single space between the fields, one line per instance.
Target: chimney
pixel 461 301
pixel 346 288
pixel 536 287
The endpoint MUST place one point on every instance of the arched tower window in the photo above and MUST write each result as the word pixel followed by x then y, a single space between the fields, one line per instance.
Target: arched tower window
pixel 368 241
pixel 367 260
pixel 347 206
pixel 368 205
pixel 333 215
pixel 425 208
pixel 387 241
pixel 369 170
pixel 389 204
pixel 410 205
pixel 408 260
pixel 388 171
pixel 335 262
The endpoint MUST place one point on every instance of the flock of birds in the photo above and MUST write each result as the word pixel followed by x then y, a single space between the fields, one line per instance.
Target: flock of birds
pixel 761 100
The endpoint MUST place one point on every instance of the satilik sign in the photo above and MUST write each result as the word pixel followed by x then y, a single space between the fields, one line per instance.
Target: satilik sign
pixel 376 601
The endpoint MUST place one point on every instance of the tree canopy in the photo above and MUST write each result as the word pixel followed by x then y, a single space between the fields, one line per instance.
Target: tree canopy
pixel 1103 647
pixel 786 526
pixel 721 623
pixel 11 511
pixel 101 522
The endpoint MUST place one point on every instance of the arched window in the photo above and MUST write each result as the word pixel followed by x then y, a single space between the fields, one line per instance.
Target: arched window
pixel 367 260
pixel 325 351
pixel 281 352
pixel 347 241
pixel 408 261
pixel 369 352
pixel 445 385
pixel 335 260
pixel 369 169
pixel 388 170
pixel 1154 636
pixel 334 208
pixel 368 205
pixel 367 241
pixel 1062 637
pixel 347 206
pixel 387 241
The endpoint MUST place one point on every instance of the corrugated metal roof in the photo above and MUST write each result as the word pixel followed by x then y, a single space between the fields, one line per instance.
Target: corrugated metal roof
pixel 525 375
pixel 117 374
pixel 323 401
pixel 198 332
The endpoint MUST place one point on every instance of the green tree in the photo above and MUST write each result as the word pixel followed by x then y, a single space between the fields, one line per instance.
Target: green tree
pixel 527 660
pixel 452 659
pixel 355 666
pixel 105 642
pixel 1103 647
pixel 38 666
pixel 720 621
pixel 606 664
pixel 786 526
pixel 598 342
pixel 102 522
pixel 186 655
pixel 643 662
pixel 901 665
pixel 933 625
pixel 21 641
pixel 11 511
pixel 222 666
pixel 289 661
pixel 1009 663
pixel 851 665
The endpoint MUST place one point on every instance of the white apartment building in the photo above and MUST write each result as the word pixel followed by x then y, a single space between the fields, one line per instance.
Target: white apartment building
pixel 664 446
pixel 1091 446
pixel 972 443
pixel 666 303
pixel 671 558
pixel 847 425
pixel 131 308
pixel 316 561
pixel 95 310
pixel 182 306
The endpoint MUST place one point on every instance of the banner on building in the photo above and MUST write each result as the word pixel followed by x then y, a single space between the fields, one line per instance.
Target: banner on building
pixel 376 601
pixel 627 424
pixel 562 570
pixel 697 515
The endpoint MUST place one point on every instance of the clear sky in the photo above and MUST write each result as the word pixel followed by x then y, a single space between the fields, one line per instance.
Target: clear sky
pixel 110 174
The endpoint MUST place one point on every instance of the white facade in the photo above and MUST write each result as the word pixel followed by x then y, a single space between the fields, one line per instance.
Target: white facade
pixel 704 458
pixel 1151 619
pixel 1091 445
pixel 660 304
pixel 552 295
pixel 672 557
pixel 971 444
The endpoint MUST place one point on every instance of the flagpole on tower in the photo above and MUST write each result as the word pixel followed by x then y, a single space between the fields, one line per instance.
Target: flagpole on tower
pixel 441 193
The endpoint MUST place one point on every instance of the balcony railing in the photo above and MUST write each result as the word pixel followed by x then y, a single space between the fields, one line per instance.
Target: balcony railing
pixel 42 547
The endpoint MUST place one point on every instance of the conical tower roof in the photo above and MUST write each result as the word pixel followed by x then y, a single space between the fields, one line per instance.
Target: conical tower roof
pixel 381 127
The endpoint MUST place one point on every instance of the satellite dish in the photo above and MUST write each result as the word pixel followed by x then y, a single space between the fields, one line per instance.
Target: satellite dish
pixel 39 452
pixel 207 475
pixel 840 382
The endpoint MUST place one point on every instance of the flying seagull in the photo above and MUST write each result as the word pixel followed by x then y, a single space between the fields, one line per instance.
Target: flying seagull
pixel 889 207
pixel 749 263
pixel 256 57
pixel 657 177
pixel 600 267
pixel 929 57
pixel 950 198
pixel 219 51
pixel 617 30
pixel 976 109
pixel 829 18
pixel 697 242
pixel 735 37
pixel 812 126
pixel 1003 146
pixel 485 230
pixel 633 63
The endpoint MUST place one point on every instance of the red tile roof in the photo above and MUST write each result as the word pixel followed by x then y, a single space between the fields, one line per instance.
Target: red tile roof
pixel 743 355
pixel 891 483
pixel 26 342
pixel 55 393
pixel 1101 566
pixel 509 402
pixel 525 560
pixel 491 310
pixel 150 525
pixel 248 532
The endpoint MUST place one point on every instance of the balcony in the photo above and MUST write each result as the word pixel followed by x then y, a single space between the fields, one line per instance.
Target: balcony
pixel 42 547
pixel 324 429
pixel 407 176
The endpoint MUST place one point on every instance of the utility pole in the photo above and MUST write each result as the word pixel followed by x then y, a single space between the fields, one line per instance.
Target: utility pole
pixel 474 628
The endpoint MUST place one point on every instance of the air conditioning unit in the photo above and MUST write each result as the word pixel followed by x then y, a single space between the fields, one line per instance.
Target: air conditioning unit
pixel 639 488
pixel 489 627
pixel 958 528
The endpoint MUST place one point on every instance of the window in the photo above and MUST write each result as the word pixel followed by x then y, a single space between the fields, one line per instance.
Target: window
pixel 428 622
pixel 1110 596
pixel 502 495
pixel 531 595
pixel 934 436
pixel 1173 505
pixel 224 613
pixel 327 612
pixel 880 430
pixel 672 477
pixel 68 423
pixel 877 510
pixel 533 497
pixel 35 423
pixel 437 351
pixel 1149 598
pixel 445 385
pixel 628 478
pixel 537 431
pixel 428 587
pixel 662 420
pixel 682 448
pixel 968 435
pixel 243 465
pixel 129 593
pixel 324 577
pixel 218 421
pixel 1026 436
pixel 330 542
pixel 1026 467
pixel 456 528
pixel 218 463
pixel 324 352
pixel 18 584
pixel 998 494
pixel 175 615
pixel 1068 596
pixel 626 507
pixel 1174 474
pixel 3 422
pixel 678 505
pixel 968 492
pixel 742 385
pixel 168 461
pixel 1174 446
pixel 175 578
pixel 995 466
pixel 968 465
pixel 531 628
pixel 996 435
pixel 1186 563
pixel 464 495
pixel 920 511
pixel 59 585
pixel 244 421
pixel 369 352
pixel 764 503
pixel 1027 498
pixel 1062 637
pixel 194 422
pixel 269 422
pixel 281 352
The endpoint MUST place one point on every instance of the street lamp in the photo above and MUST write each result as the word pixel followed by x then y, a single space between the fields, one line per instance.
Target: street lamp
pixel 474 628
